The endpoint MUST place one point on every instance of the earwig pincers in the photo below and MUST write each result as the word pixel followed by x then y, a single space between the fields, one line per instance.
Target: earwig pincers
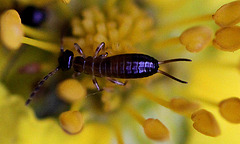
pixel 124 66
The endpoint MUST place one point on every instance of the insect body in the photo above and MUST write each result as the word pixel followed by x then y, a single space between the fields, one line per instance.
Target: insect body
pixel 124 66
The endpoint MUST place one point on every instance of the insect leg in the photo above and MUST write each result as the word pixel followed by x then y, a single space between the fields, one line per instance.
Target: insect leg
pixel 76 74
pixel 104 55
pixel 99 48
pixel 170 76
pixel 116 81
pixel 79 50
pixel 96 83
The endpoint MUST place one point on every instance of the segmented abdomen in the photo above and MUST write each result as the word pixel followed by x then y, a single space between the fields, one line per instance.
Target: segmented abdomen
pixel 126 66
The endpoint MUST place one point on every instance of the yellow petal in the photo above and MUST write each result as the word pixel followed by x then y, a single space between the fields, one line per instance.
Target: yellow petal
pixel 228 14
pixel 205 123
pixel 48 131
pixel 12 109
pixel 214 80
pixel 19 125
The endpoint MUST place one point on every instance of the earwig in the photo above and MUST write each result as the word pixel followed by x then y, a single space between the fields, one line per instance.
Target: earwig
pixel 124 66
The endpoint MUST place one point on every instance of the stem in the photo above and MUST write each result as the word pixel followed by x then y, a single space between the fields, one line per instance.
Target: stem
pixel 118 131
pixel 35 33
pixel 75 106
pixel 166 43
pixel 176 24
pixel 42 45
pixel 136 115
pixel 158 100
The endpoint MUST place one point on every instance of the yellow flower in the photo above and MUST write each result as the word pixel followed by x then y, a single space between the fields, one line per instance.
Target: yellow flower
pixel 212 83
pixel 19 125
pixel 151 109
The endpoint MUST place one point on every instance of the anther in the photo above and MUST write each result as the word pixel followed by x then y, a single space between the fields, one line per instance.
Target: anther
pixel 205 123
pixel 227 39
pixel 230 109
pixel 71 90
pixel 228 14
pixel 195 39
pixel 153 128
pixel 71 122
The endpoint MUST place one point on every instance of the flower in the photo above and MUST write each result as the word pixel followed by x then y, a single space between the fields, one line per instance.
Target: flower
pixel 19 125
pixel 151 109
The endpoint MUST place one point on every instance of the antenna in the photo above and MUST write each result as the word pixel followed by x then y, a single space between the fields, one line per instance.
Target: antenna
pixel 39 85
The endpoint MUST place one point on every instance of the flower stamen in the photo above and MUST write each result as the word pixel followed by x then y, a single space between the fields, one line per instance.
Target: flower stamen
pixel 12 33
pixel 35 33
pixel 118 131
pixel 71 90
pixel 47 46
pixel 227 39
pixel 154 98
pixel 178 105
pixel 71 121
pixel 153 128
pixel 194 39
pixel 205 123
pixel 230 109
pixel 228 14
pixel 166 43
pixel 137 116
pixel 170 26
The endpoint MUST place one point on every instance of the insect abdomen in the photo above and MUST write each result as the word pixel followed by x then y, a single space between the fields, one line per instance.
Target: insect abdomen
pixel 126 66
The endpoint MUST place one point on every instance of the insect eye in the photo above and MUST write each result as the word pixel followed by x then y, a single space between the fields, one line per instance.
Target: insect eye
pixel 65 60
